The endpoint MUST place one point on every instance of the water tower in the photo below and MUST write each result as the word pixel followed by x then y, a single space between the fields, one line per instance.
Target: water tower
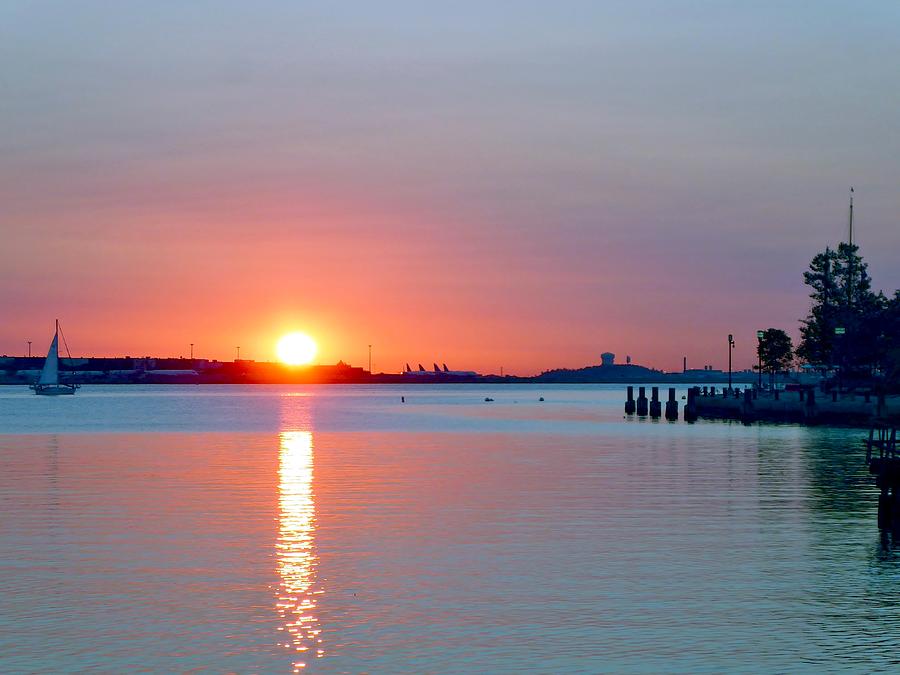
pixel 607 359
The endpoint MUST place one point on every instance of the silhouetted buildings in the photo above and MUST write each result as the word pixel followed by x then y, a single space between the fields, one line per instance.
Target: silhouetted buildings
pixel 150 370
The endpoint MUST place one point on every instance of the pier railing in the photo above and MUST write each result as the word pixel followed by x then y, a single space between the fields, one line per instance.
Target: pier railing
pixel 883 440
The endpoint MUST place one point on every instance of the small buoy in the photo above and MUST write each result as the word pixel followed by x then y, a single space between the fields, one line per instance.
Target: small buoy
pixel 541 398
pixel 488 399
pixel 402 399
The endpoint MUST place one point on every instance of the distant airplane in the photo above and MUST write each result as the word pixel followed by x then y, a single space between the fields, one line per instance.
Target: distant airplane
pixel 438 372
pixel 467 373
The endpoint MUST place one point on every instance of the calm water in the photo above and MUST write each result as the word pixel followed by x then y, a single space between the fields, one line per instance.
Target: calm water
pixel 336 530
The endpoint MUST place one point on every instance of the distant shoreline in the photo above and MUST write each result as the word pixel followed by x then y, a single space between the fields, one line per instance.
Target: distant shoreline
pixel 150 370
pixel 381 379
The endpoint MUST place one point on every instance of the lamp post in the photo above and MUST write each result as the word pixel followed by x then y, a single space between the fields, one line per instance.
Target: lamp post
pixel 370 359
pixel 730 347
pixel 192 351
pixel 759 337
pixel 238 354
pixel 29 348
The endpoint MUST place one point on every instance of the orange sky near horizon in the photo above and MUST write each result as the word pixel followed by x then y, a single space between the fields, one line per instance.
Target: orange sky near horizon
pixel 414 299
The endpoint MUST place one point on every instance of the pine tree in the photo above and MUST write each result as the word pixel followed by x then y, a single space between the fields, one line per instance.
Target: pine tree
pixel 842 326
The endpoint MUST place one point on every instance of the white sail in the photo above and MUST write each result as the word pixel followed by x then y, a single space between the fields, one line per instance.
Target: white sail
pixel 50 373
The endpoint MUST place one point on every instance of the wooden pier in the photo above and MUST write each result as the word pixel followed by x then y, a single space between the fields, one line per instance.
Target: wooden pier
pixel 806 406
pixel 884 464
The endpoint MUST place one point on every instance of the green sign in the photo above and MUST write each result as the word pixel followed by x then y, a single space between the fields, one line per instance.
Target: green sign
pixel 840 330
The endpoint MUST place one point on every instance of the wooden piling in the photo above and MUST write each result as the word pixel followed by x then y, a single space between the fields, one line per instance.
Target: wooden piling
pixel 690 409
pixel 884 464
pixel 672 406
pixel 629 401
pixel 642 401
pixel 747 413
pixel 809 410
pixel 655 405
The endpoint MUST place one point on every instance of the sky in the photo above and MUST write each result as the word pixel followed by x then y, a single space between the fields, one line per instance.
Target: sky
pixel 519 184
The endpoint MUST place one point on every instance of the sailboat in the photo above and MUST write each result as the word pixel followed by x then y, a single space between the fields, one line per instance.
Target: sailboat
pixel 48 383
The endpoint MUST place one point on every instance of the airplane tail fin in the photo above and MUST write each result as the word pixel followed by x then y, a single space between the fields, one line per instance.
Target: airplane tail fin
pixel 446 370
pixel 421 369
pixel 408 369
pixel 436 369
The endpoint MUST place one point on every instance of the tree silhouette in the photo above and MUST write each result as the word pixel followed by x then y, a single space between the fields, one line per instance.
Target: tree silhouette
pixel 842 328
pixel 775 351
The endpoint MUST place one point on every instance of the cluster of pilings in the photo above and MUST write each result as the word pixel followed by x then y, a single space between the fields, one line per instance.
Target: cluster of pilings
pixel 653 407
pixel 881 456
pixel 807 405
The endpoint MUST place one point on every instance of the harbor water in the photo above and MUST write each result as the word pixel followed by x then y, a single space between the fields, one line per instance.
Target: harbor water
pixel 334 529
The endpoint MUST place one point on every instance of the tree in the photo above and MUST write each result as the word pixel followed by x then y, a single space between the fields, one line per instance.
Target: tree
pixel 775 351
pixel 890 342
pixel 842 299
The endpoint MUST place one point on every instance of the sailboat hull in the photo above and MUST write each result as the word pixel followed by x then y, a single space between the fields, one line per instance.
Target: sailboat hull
pixel 54 389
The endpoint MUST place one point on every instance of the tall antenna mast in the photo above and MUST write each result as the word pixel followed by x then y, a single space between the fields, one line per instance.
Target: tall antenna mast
pixel 850 255
pixel 851 217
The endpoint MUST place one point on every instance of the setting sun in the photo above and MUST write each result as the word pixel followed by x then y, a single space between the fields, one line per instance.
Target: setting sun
pixel 296 349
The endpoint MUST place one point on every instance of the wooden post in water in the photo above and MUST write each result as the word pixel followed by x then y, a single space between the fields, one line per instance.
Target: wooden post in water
pixel 655 405
pixel 629 401
pixel 747 407
pixel 672 406
pixel 881 456
pixel 690 409
pixel 642 401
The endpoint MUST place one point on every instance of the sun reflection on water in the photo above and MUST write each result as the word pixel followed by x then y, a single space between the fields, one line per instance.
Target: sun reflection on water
pixel 297 561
